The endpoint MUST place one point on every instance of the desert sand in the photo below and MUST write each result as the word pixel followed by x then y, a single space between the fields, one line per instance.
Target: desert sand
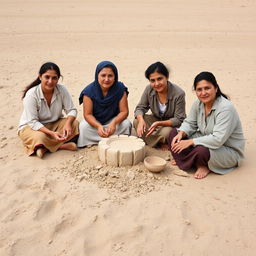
pixel 70 203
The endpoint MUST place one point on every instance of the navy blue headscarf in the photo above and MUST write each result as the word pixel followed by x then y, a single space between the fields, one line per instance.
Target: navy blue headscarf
pixel 104 108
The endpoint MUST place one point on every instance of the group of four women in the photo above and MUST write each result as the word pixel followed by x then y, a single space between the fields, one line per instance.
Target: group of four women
pixel 209 139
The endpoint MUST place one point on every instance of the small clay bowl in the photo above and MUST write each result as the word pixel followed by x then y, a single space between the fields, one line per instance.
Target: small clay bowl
pixel 154 163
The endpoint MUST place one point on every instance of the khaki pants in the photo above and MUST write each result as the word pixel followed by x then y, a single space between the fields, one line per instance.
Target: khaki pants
pixel 159 136
pixel 33 139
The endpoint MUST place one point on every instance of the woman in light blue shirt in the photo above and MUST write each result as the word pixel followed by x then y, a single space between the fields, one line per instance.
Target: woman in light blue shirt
pixel 211 137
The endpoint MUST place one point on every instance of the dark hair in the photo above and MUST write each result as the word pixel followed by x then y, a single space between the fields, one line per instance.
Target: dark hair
pixel 44 68
pixel 158 67
pixel 209 77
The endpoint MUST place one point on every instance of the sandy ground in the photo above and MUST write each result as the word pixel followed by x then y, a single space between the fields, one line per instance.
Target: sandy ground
pixel 66 205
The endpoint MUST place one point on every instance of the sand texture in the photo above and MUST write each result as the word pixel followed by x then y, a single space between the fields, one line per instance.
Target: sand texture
pixel 71 203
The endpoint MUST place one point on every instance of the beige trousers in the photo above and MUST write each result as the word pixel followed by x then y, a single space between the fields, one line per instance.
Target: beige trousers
pixel 159 136
pixel 33 139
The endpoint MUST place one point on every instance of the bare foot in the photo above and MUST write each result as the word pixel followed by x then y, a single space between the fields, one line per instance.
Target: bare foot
pixel 201 172
pixel 40 152
pixel 173 162
pixel 69 146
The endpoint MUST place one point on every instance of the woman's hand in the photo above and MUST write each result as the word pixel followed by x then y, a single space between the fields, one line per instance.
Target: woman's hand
pixel 180 145
pixel 102 133
pixel 111 128
pixel 67 130
pixel 141 129
pixel 57 136
pixel 152 128
pixel 177 139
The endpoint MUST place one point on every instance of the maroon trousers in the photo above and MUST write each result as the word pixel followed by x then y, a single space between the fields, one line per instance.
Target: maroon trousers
pixel 191 157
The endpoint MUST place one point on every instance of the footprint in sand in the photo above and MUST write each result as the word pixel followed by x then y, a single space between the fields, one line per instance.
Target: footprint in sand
pixel 179 172
pixel 45 208
pixel 189 229
pixel 97 225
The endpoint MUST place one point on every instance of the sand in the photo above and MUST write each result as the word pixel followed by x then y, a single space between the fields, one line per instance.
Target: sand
pixel 70 203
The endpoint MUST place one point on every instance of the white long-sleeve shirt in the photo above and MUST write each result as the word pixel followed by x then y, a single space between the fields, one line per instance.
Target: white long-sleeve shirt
pixel 36 111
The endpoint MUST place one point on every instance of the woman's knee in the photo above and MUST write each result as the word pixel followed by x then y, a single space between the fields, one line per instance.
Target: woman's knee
pixel 125 126
pixel 165 132
pixel 203 154
pixel 83 126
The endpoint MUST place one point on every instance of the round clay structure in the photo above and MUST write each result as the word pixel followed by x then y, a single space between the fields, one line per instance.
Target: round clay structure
pixel 121 150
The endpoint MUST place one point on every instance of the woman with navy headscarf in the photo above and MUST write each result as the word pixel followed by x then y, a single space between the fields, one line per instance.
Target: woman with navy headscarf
pixel 105 106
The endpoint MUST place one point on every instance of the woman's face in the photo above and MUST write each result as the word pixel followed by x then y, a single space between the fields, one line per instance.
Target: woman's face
pixel 158 82
pixel 106 78
pixel 206 92
pixel 49 80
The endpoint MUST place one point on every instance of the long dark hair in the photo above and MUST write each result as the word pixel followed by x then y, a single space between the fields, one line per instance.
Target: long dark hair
pixel 158 67
pixel 44 68
pixel 209 77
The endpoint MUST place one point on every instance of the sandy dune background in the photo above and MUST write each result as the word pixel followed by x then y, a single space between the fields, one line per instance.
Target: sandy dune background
pixel 64 204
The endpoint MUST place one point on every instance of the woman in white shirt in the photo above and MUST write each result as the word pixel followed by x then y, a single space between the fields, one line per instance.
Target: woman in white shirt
pixel 211 137
pixel 42 124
